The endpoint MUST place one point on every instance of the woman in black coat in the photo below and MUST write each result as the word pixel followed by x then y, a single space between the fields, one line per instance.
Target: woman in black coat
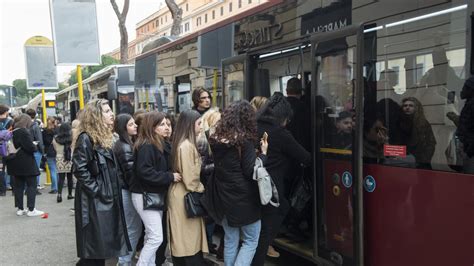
pixel 232 195
pixel 22 166
pixel 100 222
pixel 151 175
pixel 283 152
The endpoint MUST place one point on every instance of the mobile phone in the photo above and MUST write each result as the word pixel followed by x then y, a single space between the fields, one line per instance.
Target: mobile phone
pixel 265 136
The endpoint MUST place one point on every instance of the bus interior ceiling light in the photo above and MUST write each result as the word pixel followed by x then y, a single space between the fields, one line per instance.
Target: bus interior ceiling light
pixel 279 52
pixel 430 15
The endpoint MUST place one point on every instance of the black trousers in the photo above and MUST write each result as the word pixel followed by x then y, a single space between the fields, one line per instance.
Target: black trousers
pixel 3 187
pixel 272 219
pixel 91 262
pixel 63 176
pixel 19 187
pixel 195 260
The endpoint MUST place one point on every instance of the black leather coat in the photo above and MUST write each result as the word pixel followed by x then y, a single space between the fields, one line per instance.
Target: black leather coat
pixel 100 222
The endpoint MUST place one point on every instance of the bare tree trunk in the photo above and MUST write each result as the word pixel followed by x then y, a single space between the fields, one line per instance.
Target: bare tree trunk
pixel 176 14
pixel 122 17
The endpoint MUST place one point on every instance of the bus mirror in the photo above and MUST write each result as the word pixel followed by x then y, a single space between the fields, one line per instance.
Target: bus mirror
pixel 111 88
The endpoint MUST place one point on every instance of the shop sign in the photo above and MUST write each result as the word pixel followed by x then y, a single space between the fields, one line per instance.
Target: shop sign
pixel 333 17
pixel 260 36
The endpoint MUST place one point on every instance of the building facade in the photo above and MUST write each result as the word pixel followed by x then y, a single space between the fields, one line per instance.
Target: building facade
pixel 197 14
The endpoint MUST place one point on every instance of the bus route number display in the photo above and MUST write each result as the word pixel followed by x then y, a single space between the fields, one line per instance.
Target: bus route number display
pixel 395 150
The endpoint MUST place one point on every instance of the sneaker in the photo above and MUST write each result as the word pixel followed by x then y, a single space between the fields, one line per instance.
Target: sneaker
pixel 20 212
pixel 53 191
pixel 34 212
pixel 40 187
pixel 37 192
pixel 9 188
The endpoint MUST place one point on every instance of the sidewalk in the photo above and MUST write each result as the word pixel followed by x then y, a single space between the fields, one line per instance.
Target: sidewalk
pixel 36 241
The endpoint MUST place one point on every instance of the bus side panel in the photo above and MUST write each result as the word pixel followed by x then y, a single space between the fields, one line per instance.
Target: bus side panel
pixel 338 208
pixel 419 217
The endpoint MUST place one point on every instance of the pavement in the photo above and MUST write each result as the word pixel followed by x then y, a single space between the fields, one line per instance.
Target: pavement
pixel 51 241
pixel 33 240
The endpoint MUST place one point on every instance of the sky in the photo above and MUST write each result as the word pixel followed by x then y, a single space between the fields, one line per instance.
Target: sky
pixel 22 19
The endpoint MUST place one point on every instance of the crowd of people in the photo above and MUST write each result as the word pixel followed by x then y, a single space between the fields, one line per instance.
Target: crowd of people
pixel 26 147
pixel 135 175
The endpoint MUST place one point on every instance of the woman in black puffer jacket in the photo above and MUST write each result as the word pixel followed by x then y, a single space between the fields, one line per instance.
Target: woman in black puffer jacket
pixel 283 152
pixel 126 129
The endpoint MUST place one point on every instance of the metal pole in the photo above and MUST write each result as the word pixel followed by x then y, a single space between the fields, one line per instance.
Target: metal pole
pixel 214 89
pixel 11 96
pixel 45 122
pixel 79 87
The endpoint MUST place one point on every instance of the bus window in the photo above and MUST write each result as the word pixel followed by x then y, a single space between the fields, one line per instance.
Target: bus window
pixel 420 72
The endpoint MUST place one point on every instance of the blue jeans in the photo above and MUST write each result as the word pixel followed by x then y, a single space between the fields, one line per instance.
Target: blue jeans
pixel 232 254
pixel 134 226
pixel 38 163
pixel 7 180
pixel 53 173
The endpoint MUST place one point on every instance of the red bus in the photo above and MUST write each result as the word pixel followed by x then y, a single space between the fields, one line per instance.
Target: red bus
pixel 394 188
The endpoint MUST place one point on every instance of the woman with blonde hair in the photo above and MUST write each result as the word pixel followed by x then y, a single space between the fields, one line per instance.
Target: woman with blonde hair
pixel 258 102
pixel 209 121
pixel 100 222
pixel 187 235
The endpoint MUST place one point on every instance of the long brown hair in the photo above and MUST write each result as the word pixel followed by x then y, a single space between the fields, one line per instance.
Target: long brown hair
pixel 92 123
pixel 146 131
pixel 184 131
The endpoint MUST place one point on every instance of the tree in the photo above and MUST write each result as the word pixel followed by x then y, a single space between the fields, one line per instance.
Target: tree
pixel 21 89
pixel 176 14
pixel 89 70
pixel 123 29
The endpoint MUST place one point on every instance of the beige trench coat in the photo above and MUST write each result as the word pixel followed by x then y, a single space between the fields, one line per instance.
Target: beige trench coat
pixel 187 236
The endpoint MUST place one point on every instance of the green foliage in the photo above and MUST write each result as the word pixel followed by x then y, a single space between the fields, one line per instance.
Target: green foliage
pixel 87 71
pixel 21 89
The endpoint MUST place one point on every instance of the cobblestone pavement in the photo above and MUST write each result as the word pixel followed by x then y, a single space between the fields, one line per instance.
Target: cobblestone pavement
pixel 51 241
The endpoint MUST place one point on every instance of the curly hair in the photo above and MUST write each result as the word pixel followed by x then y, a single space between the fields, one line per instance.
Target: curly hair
pixel 237 125
pixel 91 123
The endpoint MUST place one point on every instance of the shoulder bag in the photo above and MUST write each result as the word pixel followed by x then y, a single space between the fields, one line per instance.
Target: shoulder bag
pixel 193 205
pixel 266 187
pixel 154 201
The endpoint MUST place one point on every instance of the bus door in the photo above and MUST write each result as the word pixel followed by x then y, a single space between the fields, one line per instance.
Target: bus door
pixel 235 79
pixel 337 141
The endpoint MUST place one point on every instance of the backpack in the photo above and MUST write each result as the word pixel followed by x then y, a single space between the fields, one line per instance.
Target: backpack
pixel 266 187
pixel 5 137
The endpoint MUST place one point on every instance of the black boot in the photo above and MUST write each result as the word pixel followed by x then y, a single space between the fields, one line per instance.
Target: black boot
pixel 70 197
pixel 59 198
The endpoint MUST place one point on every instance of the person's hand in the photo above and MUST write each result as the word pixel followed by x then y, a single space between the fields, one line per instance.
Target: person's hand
pixel 177 177
pixel 264 146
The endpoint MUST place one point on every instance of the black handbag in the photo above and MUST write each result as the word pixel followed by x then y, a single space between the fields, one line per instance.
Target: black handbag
pixel 193 205
pixel 153 201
